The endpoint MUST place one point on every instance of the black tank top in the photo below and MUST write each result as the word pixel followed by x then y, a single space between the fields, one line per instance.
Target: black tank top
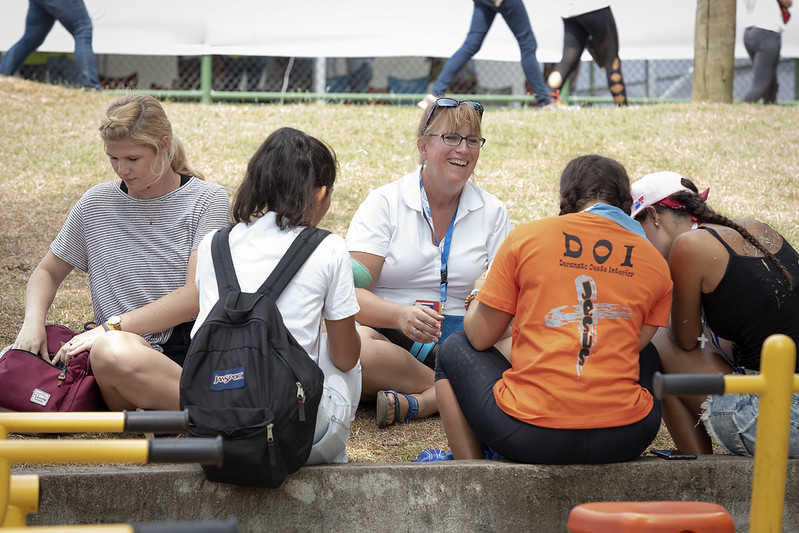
pixel 752 301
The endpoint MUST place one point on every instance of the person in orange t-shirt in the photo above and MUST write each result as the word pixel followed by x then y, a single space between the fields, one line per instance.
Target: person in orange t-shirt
pixel 585 293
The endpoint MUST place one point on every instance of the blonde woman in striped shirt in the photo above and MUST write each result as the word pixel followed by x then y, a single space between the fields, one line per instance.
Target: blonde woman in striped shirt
pixel 136 237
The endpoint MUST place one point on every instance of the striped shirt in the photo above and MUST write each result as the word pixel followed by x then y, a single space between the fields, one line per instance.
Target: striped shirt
pixel 137 250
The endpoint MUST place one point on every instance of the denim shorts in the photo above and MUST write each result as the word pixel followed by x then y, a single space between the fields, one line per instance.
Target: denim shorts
pixel 731 420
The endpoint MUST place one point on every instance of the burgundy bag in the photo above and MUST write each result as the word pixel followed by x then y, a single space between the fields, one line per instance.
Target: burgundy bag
pixel 29 383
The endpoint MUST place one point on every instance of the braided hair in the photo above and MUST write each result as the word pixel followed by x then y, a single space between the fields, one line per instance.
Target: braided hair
pixel 697 209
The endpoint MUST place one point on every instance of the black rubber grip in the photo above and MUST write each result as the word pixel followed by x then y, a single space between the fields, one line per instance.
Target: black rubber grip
pixel 205 451
pixel 682 384
pixel 156 421
pixel 219 526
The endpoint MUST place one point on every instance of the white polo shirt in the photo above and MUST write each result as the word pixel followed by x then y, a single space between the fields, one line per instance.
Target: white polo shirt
pixel 390 224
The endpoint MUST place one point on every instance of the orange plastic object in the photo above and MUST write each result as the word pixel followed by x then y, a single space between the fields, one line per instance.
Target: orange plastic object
pixel 650 517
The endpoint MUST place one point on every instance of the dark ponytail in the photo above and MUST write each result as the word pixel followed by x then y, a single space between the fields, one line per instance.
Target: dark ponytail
pixel 591 178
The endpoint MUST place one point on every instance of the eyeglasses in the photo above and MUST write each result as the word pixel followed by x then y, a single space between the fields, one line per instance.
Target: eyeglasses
pixel 453 139
pixel 452 102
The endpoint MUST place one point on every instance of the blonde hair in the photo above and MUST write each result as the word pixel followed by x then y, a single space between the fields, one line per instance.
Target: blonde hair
pixel 452 119
pixel 142 119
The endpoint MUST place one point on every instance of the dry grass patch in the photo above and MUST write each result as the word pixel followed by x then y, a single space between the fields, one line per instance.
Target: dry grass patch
pixel 50 153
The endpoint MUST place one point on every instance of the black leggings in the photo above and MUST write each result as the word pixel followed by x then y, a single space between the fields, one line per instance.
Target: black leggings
pixel 472 375
pixel 596 31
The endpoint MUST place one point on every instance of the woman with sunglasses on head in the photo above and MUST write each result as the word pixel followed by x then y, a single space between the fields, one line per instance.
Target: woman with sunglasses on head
pixel 734 285
pixel 585 292
pixel 424 239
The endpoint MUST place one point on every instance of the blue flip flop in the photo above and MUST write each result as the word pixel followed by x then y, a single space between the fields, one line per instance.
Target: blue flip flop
pixel 382 408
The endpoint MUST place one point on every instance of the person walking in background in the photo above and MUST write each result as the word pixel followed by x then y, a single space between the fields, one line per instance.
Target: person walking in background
pixel 590 24
pixel 42 15
pixel 515 15
pixel 764 21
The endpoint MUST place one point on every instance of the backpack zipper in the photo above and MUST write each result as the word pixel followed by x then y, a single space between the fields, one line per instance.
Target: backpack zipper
pixel 301 401
pixel 300 390
pixel 270 444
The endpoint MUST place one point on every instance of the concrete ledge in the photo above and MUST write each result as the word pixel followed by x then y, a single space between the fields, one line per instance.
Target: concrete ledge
pixel 448 496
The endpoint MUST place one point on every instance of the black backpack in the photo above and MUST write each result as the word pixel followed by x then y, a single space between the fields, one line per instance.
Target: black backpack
pixel 247 379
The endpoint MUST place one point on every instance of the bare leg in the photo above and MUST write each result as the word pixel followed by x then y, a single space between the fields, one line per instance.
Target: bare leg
pixel 428 405
pixel 131 374
pixel 462 440
pixel 386 366
pixel 681 413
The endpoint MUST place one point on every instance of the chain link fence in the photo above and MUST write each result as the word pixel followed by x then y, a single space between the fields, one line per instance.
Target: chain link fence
pixel 399 80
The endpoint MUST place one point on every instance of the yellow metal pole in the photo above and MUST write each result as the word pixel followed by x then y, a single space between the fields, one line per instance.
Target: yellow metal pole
pixel 105 528
pixel 23 499
pixel 745 384
pixel 72 451
pixel 771 451
pixel 5 479
pixel 112 422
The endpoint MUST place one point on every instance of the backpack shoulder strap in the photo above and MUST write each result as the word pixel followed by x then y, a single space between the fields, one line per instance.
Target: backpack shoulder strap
pixel 226 280
pixel 299 251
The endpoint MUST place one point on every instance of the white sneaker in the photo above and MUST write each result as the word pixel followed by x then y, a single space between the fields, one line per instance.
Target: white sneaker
pixel 428 100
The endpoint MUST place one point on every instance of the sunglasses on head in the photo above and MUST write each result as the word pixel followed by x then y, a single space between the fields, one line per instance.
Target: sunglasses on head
pixel 452 102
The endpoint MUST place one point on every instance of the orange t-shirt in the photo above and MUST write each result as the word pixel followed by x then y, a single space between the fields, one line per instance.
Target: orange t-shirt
pixel 580 287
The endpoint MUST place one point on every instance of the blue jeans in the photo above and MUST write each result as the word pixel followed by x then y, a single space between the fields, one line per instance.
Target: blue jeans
pixel 42 15
pixel 731 420
pixel 515 15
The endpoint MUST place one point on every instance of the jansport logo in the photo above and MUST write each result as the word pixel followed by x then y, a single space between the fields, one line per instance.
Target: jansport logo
pixel 231 378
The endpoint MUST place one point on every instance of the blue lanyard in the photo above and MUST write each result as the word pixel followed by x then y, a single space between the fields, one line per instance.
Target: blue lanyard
pixel 447 241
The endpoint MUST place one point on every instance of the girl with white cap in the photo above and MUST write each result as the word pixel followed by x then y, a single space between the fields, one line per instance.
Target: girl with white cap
pixel 734 285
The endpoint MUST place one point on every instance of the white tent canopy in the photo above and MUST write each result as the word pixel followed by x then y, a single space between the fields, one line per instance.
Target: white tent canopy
pixel 648 29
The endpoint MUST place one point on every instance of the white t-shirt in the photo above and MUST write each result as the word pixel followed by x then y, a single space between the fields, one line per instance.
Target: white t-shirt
pixel 322 288
pixel 390 224
pixel 572 8
pixel 765 14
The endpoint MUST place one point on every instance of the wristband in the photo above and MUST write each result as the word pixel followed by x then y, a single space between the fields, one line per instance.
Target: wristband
pixel 114 323
pixel 469 299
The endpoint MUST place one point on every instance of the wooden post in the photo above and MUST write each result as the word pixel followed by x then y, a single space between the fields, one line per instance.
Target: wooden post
pixel 714 51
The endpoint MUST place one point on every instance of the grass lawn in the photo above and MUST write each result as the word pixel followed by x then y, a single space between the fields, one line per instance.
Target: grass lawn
pixel 50 153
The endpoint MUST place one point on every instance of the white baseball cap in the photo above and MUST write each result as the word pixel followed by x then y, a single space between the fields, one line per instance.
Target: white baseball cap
pixel 653 188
